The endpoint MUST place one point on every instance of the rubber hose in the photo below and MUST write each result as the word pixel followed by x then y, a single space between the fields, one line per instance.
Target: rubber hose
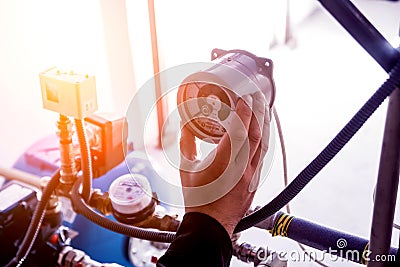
pixel 36 221
pixel 86 159
pixel 81 207
pixel 326 155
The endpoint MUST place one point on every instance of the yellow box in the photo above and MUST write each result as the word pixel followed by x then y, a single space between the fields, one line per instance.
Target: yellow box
pixel 68 93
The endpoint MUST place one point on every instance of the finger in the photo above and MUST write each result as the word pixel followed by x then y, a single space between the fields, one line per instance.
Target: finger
pixel 247 154
pixel 236 135
pixel 263 146
pixel 256 124
pixel 187 144
pixel 255 180
pixel 257 161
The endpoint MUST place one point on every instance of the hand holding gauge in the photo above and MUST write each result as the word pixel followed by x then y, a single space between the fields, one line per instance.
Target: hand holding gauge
pixel 228 104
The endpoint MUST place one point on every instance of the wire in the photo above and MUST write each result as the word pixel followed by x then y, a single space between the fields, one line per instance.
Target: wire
pixel 326 155
pixel 86 159
pixel 286 180
pixel 36 221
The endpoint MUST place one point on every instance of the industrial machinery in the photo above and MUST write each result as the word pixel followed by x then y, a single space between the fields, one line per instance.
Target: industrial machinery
pixel 90 192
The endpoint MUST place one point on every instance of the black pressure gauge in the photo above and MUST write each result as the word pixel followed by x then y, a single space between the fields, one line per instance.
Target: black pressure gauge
pixel 207 98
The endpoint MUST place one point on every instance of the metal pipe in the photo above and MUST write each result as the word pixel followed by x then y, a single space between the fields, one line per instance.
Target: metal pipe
pixel 347 14
pixel 67 156
pixel 387 183
pixel 21 176
pixel 160 102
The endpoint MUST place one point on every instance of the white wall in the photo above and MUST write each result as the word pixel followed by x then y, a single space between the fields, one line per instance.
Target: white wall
pixel 189 30
pixel 36 35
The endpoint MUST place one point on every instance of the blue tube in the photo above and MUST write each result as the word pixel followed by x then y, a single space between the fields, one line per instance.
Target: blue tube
pixel 326 239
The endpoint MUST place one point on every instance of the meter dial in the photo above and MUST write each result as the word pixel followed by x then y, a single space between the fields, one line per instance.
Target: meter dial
pixel 130 193
pixel 206 107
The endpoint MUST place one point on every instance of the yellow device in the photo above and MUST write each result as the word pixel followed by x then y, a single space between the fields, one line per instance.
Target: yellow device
pixel 68 93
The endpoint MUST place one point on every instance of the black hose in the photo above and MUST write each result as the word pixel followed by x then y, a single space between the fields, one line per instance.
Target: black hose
pixel 36 221
pixel 81 207
pixel 326 155
pixel 86 160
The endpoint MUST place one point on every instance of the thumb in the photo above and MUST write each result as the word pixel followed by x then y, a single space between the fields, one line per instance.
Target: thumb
pixel 187 144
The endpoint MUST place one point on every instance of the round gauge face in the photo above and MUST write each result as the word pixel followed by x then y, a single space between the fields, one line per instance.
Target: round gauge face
pixel 144 253
pixel 127 191
pixel 207 108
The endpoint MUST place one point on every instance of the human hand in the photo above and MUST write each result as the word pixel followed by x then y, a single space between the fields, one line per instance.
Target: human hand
pixel 223 184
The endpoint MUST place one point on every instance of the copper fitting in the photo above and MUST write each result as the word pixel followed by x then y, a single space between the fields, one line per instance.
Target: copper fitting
pixel 101 202
pixel 68 172
pixel 161 221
